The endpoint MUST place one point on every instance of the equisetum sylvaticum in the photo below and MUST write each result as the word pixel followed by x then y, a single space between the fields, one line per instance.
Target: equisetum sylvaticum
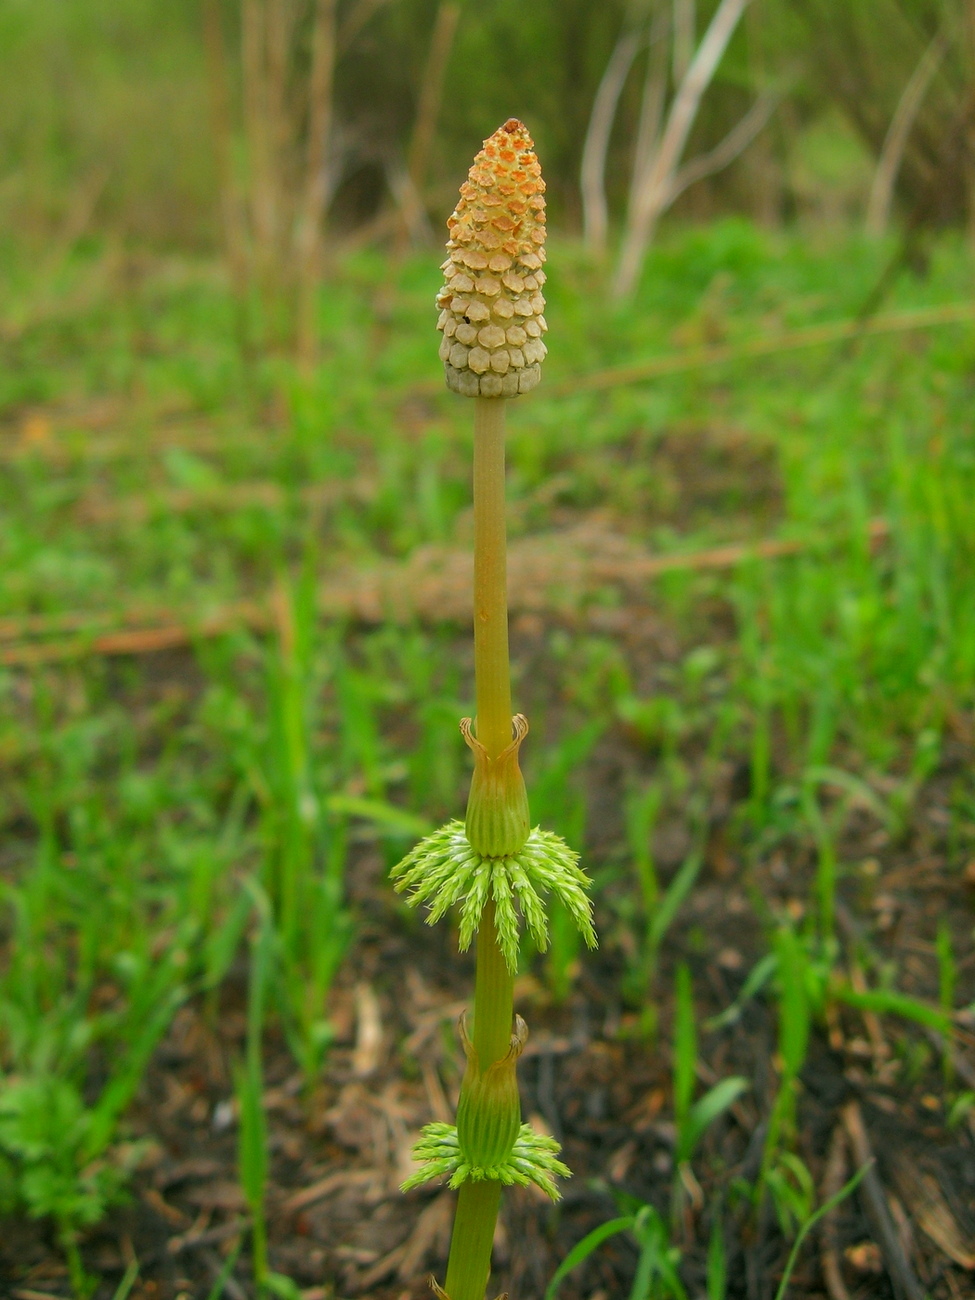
pixel 494 866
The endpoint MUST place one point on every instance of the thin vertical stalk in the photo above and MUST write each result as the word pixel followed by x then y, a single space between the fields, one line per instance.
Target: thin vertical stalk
pixel 898 133
pixel 320 90
pixel 253 59
pixel 218 86
pixel 469 1265
pixel 493 994
pixel 685 22
pixel 651 106
pixel 431 91
pixel 492 676
pixel 595 210
pixel 651 192
pixel 279 40
pixel 425 127
pixel 473 1236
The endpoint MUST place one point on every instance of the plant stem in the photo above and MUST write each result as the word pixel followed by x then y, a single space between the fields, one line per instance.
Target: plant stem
pixel 469 1265
pixel 477 1203
pixel 470 1244
pixel 492 676
pixel 81 1284
pixel 493 994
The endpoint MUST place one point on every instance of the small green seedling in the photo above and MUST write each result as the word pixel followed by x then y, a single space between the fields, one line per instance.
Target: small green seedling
pixel 656 1275
pixel 795 1015
pixel 692 1119
pixel 305 848
pixel 559 801
pixel 810 1222
pixel 252 1131
pixel 717 1275
pixel 60 1153
pixel 252 1150
pixel 947 981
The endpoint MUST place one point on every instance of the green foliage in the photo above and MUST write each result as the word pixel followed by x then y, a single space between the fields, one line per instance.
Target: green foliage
pixel 533 1161
pixel 252 1142
pixel 783 1174
pixel 304 871
pixel 890 1002
pixel 63 1152
pixel 656 1271
pixel 558 802
pixel 54 1162
pixel 693 1119
pixel 659 914
pixel 136 799
pixel 120 150
pixel 809 1222
pixel 717 1277
pixel 443 870
pixel 947 979
pixel 792 1191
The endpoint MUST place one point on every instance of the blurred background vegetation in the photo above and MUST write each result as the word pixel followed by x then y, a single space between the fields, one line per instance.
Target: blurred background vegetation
pixel 107 110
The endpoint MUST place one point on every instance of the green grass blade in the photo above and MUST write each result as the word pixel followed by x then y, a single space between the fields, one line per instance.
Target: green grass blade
pixel 885 1001
pixel 714 1103
pixel 685 1053
pixel 584 1248
pixel 674 896
pixel 758 977
pixel 717 1276
pixel 127 1282
pixel 811 1222
pixel 220 1281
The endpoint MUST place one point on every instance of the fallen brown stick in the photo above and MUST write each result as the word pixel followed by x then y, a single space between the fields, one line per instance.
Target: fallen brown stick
pixel 223 496
pixel 336 1182
pixel 833 1180
pixel 195 436
pixel 953 313
pixel 39 437
pixel 902 1276
pixel 136 640
pixel 926 1203
pixel 547 574
pixel 28 625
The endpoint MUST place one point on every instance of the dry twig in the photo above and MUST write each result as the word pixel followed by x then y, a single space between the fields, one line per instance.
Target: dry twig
pixel 903 1279
pixel 833 1180
pixel 547 575
pixel 953 313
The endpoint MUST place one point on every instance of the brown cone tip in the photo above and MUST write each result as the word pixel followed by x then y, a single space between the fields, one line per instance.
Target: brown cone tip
pixel 491 303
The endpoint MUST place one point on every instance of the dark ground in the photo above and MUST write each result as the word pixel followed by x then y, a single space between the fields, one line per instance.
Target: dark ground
pixel 339 1225
pixel 588 1076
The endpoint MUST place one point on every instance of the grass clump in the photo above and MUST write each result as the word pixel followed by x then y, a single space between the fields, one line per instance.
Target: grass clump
pixel 789 718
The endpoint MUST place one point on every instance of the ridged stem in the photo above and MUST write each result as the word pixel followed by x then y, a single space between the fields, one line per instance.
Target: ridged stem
pixel 493 994
pixel 469 1266
pixel 473 1236
pixel 492 675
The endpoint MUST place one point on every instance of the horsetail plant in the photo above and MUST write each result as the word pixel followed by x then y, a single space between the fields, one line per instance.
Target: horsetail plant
pixel 494 865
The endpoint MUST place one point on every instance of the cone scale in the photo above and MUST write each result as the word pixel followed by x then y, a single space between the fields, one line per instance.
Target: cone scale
pixel 492 307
